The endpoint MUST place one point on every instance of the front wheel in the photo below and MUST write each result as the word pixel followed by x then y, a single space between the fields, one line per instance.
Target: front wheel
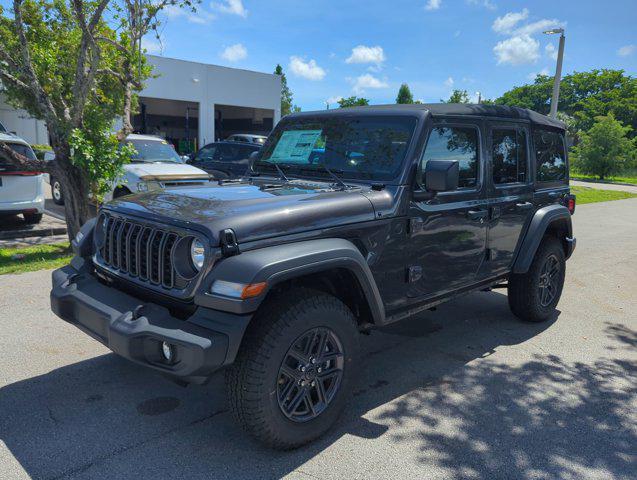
pixel 56 192
pixel 534 295
pixel 295 370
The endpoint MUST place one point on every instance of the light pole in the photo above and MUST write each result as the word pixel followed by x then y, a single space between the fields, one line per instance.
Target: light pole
pixel 558 71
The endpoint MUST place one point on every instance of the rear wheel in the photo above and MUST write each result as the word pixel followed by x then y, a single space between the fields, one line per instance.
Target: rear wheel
pixel 295 370
pixel 32 218
pixel 534 295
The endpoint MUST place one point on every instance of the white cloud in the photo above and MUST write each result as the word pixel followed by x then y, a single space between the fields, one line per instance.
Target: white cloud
pixel 506 23
pixel 334 100
pixel 457 33
pixel 309 70
pixel 539 26
pixel 484 3
pixel 367 81
pixel 517 50
pixel 364 54
pixel 153 45
pixel 449 82
pixel 626 50
pixel 544 71
pixel 433 4
pixel 551 51
pixel 200 17
pixel 233 7
pixel 234 53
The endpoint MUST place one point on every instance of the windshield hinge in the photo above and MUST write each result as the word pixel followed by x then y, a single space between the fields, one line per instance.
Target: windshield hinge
pixel 229 244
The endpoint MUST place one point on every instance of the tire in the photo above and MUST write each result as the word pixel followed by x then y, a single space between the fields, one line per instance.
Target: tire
pixel 32 218
pixel 257 383
pixel 527 299
pixel 56 192
pixel 120 192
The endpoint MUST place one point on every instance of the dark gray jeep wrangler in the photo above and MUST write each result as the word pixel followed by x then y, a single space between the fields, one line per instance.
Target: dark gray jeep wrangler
pixel 348 220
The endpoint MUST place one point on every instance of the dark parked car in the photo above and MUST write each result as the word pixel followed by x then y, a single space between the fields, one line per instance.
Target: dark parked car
pixel 352 219
pixel 225 159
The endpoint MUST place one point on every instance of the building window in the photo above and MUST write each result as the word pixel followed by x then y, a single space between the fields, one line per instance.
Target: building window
pixel 509 156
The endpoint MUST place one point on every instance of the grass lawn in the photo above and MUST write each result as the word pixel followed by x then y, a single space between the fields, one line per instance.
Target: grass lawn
pixel 592 195
pixel 29 259
pixel 629 178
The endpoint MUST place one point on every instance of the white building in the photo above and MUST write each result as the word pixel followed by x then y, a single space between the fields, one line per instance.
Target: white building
pixel 187 102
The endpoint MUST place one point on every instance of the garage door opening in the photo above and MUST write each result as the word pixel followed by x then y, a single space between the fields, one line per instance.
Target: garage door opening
pixel 174 120
pixel 230 120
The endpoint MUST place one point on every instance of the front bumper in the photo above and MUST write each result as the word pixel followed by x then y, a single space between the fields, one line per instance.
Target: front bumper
pixel 202 343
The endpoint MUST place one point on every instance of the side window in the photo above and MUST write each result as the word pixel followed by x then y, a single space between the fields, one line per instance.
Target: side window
pixel 550 156
pixel 206 154
pixel 509 156
pixel 455 143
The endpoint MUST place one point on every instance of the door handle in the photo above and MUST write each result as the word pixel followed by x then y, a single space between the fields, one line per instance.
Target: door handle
pixel 477 215
pixel 524 206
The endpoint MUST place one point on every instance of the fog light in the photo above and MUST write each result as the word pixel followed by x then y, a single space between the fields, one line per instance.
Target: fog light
pixel 167 351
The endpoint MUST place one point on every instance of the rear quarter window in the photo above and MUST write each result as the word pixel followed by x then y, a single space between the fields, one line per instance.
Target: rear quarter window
pixel 550 156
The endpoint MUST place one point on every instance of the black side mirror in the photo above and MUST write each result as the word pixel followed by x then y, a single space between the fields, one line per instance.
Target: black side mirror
pixel 439 176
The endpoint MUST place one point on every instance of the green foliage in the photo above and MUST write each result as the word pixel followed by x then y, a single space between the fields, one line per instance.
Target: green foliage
pixel 287 106
pixel 457 96
pixel 594 195
pixel 97 151
pixel 38 257
pixel 604 149
pixel 352 101
pixel 583 96
pixel 404 95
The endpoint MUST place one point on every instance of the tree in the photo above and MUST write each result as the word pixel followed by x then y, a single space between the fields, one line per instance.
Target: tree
pixel 404 94
pixel 77 65
pixel 352 102
pixel 583 96
pixel 457 96
pixel 605 149
pixel 286 94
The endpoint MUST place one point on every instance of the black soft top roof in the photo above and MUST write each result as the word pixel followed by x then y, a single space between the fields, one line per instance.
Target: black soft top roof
pixel 445 109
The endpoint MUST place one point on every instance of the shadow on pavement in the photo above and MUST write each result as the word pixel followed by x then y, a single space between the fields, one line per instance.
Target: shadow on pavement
pixel 107 418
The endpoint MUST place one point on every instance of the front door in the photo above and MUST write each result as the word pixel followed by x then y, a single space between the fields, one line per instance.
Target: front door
pixel 448 233
pixel 510 194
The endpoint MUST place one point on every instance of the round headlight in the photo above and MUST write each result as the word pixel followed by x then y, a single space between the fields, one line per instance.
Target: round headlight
pixel 197 254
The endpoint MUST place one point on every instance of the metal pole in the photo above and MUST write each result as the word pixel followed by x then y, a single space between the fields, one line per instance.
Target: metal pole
pixel 558 76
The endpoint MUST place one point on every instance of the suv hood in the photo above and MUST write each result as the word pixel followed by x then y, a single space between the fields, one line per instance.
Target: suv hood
pixel 164 171
pixel 253 210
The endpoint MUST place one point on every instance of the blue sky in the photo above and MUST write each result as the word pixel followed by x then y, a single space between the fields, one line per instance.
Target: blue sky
pixel 338 48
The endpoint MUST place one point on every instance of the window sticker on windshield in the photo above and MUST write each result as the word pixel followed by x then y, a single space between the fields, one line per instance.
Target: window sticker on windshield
pixel 295 145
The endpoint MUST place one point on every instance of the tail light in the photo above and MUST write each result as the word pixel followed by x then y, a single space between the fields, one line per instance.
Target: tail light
pixel 571 203
pixel 20 173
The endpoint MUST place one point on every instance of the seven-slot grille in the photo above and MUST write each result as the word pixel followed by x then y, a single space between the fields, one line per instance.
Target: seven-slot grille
pixel 141 251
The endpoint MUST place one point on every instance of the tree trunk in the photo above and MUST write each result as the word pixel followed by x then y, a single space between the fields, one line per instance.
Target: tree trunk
pixel 75 188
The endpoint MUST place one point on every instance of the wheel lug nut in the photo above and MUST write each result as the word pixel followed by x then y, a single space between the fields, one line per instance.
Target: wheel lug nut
pixel 313 384
pixel 313 360
pixel 319 369
pixel 303 369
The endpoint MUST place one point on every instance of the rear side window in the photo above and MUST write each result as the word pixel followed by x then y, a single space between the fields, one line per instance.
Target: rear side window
pixel 550 156
pixel 455 143
pixel 509 156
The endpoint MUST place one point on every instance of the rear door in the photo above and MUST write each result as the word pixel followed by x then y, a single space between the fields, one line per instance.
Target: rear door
pixel 16 185
pixel 448 233
pixel 510 193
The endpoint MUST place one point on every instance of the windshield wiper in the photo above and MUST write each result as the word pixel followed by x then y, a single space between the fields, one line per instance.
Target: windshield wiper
pixel 282 175
pixel 336 178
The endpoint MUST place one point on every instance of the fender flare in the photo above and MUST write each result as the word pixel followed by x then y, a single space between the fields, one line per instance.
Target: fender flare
pixel 538 226
pixel 284 262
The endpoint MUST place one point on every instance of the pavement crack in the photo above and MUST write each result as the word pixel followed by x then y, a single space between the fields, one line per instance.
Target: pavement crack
pixel 124 448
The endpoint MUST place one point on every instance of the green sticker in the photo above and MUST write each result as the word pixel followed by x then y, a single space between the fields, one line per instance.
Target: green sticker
pixel 295 145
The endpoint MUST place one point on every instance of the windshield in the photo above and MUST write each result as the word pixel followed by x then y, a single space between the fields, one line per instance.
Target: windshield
pixel 24 150
pixel 354 147
pixel 2 129
pixel 153 151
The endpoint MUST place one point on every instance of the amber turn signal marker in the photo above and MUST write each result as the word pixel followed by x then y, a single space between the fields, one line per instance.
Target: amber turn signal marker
pixel 253 290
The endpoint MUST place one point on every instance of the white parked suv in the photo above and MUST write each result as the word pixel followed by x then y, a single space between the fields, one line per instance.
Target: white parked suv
pixel 20 192
pixel 156 165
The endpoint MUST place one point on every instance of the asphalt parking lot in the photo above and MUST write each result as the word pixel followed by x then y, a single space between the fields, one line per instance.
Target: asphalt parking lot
pixel 466 391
